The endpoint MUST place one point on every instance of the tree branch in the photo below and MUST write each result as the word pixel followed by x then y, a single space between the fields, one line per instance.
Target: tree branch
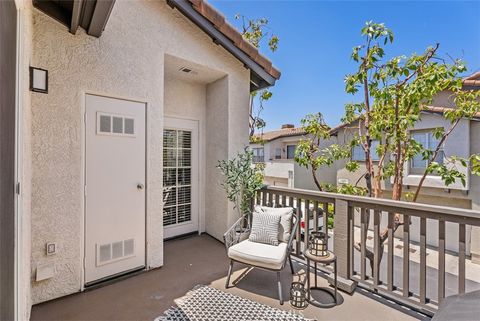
pixel 434 155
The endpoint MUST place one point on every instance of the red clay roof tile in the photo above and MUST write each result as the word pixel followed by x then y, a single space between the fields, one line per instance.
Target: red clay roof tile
pixel 219 21
pixel 285 132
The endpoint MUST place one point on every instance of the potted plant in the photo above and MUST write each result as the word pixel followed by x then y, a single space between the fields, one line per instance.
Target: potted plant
pixel 243 179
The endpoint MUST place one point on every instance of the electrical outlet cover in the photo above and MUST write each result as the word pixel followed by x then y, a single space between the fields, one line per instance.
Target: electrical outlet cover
pixel 51 248
pixel 45 272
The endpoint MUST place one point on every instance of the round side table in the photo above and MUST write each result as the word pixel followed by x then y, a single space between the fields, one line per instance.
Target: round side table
pixel 326 260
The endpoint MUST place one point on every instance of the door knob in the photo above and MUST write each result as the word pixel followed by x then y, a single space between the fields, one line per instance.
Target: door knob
pixel 140 186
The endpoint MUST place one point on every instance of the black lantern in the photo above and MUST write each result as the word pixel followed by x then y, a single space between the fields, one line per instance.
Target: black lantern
pixel 317 244
pixel 298 296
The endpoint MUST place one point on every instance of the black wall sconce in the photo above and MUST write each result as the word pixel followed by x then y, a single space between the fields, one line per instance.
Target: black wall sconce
pixel 38 80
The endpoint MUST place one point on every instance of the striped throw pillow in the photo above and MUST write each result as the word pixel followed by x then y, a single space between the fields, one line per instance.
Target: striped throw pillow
pixel 265 228
pixel 286 213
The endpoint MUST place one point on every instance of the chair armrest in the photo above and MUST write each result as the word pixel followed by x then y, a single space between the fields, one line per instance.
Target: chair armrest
pixel 234 234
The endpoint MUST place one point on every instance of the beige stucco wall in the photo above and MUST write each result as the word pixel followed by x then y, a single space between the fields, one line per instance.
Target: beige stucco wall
pixel 282 143
pixel 126 61
pixel 276 181
pixel 443 99
pixel 279 168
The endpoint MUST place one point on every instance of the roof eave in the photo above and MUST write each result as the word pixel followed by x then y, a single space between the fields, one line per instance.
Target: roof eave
pixel 259 78
pixel 90 15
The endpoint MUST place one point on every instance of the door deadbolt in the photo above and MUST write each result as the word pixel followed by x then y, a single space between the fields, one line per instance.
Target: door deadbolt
pixel 140 187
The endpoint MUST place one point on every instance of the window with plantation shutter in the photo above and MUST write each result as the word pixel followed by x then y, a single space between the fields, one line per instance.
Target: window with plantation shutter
pixel 177 176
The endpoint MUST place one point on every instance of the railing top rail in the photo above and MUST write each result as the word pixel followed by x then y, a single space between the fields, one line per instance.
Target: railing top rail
pixel 370 202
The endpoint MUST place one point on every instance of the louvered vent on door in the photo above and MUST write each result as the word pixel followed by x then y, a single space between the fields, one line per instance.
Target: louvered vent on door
pixel 111 252
pixel 115 125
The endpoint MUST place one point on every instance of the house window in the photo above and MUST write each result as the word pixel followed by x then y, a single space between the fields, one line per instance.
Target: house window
pixel 258 155
pixel 278 153
pixel 291 151
pixel 177 176
pixel 428 141
pixel 358 154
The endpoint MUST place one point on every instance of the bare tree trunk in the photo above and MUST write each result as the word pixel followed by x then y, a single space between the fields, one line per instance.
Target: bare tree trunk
pixel 315 179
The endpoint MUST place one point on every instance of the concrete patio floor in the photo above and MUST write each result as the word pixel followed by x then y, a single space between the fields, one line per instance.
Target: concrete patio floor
pixel 202 260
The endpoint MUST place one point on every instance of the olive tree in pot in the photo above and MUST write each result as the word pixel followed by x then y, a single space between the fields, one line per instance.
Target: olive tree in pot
pixel 243 178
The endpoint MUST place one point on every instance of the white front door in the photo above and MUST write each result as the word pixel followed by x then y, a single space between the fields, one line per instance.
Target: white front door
pixel 114 187
pixel 180 177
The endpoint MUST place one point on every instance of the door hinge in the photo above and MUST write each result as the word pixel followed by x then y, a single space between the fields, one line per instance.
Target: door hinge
pixel 17 188
pixel 85 190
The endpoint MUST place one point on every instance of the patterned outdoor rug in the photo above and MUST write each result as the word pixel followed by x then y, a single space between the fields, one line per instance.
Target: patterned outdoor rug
pixel 204 303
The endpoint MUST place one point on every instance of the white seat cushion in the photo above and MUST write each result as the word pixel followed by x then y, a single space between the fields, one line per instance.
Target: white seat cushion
pixel 259 254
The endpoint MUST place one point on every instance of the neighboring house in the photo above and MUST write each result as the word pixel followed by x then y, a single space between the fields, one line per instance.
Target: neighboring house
pixel 138 92
pixel 462 142
pixel 276 149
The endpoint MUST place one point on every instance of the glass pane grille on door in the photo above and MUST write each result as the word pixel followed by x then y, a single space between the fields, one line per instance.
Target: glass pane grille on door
pixel 177 176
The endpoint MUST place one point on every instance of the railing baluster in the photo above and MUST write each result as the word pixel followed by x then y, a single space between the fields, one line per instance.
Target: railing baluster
pixel 376 247
pixel 441 260
pixel 461 258
pixel 351 231
pixel 298 248
pixel 406 256
pixel 423 260
pixel 390 259
pixel 315 216
pixel 363 243
pixel 325 218
pixel 284 201
pixel 306 215
pixel 264 198
pixel 277 200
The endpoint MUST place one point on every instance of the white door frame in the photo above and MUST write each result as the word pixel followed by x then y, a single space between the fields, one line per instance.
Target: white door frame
pixel 172 122
pixel 20 301
pixel 84 93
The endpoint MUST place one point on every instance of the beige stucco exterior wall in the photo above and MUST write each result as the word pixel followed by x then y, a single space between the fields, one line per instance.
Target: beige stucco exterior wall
pixel 126 61
pixel 443 99
pixel 217 148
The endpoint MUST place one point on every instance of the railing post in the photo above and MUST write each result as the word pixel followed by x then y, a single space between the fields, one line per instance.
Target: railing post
pixel 342 243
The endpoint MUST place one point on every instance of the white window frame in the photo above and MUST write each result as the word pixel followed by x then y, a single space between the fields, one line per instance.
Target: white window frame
pixel 278 155
pixel 373 153
pixel 441 154
pixel 295 147
pixel 257 158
